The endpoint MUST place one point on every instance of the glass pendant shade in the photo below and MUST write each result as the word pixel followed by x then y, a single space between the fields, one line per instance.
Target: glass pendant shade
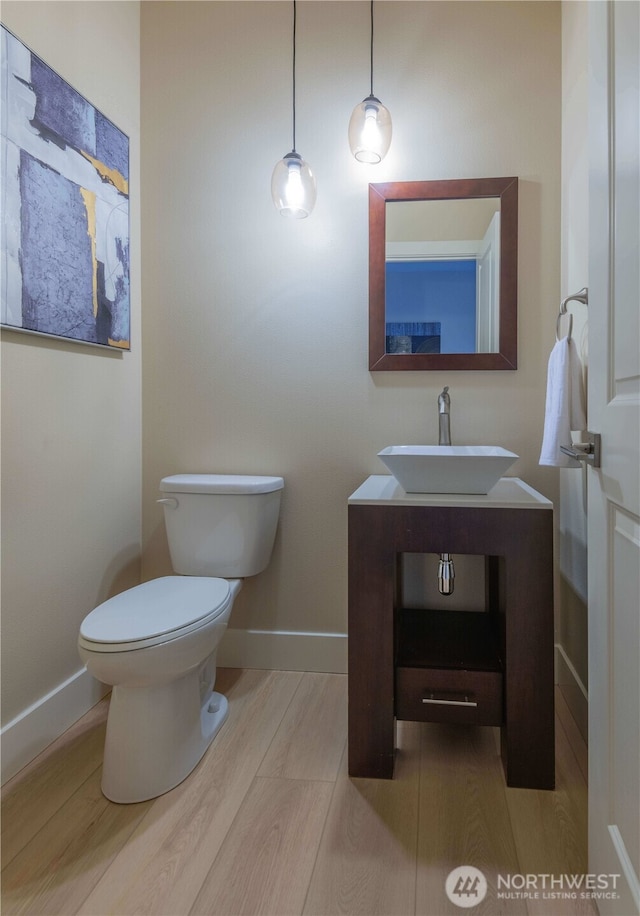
pixel 370 130
pixel 293 186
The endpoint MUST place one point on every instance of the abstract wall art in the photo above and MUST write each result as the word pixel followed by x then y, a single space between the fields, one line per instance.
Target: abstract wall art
pixel 65 207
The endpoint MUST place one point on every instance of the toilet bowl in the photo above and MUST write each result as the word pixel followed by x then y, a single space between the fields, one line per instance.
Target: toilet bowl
pixel 156 643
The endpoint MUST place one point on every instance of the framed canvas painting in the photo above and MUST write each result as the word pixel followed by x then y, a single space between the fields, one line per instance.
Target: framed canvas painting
pixel 65 208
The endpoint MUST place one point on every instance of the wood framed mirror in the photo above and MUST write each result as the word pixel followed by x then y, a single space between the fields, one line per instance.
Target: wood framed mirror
pixel 443 274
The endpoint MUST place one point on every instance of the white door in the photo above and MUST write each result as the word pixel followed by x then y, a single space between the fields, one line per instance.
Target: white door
pixel 614 490
pixel 488 289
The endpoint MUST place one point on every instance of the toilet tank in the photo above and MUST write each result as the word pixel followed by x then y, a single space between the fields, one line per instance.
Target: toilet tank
pixel 220 524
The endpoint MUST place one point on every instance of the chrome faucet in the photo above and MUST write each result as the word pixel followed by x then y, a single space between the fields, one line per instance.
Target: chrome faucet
pixel 444 421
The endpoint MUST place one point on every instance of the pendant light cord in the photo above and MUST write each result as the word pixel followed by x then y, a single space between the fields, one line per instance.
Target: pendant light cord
pixel 371 47
pixel 294 76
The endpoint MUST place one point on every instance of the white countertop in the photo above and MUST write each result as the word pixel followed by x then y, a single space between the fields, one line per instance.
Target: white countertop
pixel 508 493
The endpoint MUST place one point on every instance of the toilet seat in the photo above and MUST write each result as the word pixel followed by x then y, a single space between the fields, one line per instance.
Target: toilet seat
pixel 155 612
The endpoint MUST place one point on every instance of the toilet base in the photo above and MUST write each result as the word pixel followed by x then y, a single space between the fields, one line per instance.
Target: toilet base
pixel 156 736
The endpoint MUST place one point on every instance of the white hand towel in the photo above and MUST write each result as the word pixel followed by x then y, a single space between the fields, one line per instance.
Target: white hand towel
pixel 564 408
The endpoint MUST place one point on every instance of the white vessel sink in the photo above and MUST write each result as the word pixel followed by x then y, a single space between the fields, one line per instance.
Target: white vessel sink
pixel 447 468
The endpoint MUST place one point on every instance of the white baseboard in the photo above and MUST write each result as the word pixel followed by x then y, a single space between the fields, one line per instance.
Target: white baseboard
pixel 631 894
pixel 564 662
pixel 41 723
pixel 573 690
pixel 283 650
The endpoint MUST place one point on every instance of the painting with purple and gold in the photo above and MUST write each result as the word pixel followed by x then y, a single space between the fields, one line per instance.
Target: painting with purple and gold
pixel 65 208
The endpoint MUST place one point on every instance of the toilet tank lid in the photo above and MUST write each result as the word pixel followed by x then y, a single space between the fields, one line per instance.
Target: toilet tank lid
pixel 220 483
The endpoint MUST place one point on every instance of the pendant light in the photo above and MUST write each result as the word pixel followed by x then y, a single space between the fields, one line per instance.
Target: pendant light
pixel 293 186
pixel 370 124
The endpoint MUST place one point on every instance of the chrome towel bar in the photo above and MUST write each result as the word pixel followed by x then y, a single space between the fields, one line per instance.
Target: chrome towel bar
pixel 581 296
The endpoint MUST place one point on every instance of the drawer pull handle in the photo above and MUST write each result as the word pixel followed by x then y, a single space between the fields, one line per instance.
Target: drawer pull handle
pixel 435 702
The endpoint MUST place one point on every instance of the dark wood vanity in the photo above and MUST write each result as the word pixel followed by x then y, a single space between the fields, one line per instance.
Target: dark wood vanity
pixel 467 667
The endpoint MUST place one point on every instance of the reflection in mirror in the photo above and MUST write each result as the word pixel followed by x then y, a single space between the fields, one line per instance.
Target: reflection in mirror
pixel 443 260
pixel 442 276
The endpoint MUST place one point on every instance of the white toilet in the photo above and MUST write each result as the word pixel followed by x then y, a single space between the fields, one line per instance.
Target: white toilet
pixel 156 643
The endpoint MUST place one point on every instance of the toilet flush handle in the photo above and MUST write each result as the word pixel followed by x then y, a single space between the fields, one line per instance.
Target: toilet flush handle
pixel 169 501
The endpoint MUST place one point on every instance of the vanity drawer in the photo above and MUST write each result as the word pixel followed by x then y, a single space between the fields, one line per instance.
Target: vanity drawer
pixel 449 695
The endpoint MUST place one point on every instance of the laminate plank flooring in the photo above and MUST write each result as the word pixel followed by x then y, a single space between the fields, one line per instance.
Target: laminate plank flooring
pixel 310 741
pixel 42 787
pixel 268 856
pixel 367 859
pixel 163 866
pixel 270 823
pixel 463 798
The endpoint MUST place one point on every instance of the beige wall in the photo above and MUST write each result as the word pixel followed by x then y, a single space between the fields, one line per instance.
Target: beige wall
pixel 255 327
pixel 71 415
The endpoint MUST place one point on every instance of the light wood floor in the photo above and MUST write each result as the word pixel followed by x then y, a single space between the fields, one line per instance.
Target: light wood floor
pixel 270 823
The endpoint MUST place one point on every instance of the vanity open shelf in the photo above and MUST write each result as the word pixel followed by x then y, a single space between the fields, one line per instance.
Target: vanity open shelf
pixel 491 667
pixel 448 667
pixel 447 639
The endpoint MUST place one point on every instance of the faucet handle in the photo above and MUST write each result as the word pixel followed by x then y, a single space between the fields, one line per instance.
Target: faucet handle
pixel 444 401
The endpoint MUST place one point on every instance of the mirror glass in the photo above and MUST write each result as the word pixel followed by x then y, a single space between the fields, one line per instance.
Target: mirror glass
pixel 443 261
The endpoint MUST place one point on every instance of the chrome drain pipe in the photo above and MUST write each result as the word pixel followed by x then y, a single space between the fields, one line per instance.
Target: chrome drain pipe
pixel 446 574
